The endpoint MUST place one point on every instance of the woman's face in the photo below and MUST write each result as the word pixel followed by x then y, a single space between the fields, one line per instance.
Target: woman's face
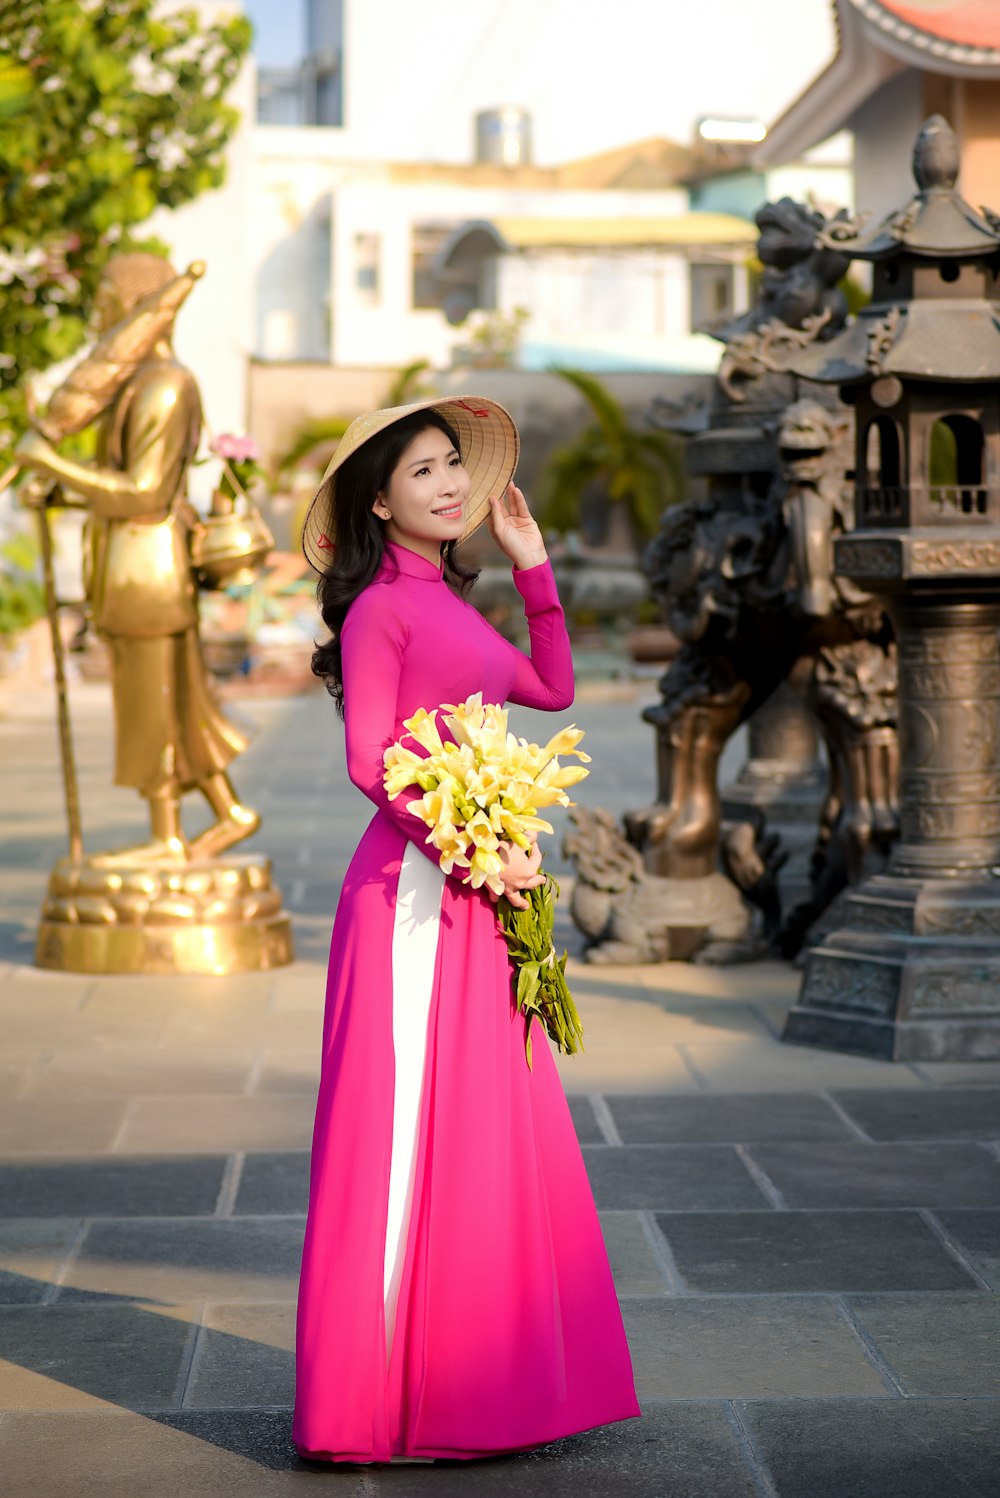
pixel 423 504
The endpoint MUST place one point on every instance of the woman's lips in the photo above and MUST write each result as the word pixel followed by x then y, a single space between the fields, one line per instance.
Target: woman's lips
pixel 449 511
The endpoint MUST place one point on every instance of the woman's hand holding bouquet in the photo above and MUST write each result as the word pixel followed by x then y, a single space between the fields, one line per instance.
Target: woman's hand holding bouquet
pixel 482 791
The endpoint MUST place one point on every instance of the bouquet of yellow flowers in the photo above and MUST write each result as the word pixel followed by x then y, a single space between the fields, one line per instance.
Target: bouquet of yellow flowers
pixel 482 788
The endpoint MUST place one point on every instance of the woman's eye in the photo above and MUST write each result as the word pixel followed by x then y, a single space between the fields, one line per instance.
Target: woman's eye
pixel 454 462
pixel 420 471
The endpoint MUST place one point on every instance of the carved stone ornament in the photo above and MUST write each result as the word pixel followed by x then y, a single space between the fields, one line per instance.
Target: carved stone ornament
pixel 887 391
pixel 860 557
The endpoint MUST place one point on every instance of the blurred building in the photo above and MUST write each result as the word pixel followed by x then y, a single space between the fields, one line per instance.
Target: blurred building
pixel 329 251
pixel 380 263
pixel 897 62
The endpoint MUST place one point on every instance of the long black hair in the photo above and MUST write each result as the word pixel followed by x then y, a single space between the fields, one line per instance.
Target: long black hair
pixel 360 537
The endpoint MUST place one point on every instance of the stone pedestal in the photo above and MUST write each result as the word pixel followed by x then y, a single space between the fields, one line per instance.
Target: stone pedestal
pixel 225 916
pixel 909 964
pixel 783 774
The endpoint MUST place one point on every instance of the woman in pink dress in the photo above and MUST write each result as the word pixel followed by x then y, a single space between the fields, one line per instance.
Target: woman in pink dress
pixel 455 1298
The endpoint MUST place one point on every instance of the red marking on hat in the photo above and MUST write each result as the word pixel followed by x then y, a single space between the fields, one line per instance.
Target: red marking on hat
pixel 473 410
pixel 324 543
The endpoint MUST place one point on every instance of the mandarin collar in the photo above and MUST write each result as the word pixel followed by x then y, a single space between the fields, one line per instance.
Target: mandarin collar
pixel 412 564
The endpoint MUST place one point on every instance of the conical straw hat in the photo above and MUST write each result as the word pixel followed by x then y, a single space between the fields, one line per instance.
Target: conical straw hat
pixel 487 439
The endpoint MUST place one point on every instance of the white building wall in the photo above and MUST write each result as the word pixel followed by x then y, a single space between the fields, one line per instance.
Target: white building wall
pixel 214 327
pixel 885 128
pixel 309 202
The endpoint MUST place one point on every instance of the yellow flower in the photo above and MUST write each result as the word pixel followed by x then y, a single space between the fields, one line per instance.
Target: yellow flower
pixel 423 728
pixel 484 868
pixel 564 742
pixel 402 768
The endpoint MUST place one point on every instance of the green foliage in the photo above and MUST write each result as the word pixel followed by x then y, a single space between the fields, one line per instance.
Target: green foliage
pixel 321 432
pixel 22 600
pixel 857 296
pixel 108 109
pixel 639 468
pixel 410 386
pixel 494 339
pixel 542 992
pixel 319 436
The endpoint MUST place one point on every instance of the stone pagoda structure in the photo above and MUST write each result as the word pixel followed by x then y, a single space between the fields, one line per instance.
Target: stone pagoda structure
pixel 908 965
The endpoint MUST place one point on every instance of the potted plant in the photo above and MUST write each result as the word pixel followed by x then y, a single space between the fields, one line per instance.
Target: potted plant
pixel 636 467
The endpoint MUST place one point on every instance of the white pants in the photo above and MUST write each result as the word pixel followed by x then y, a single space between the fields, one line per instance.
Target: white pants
pixel 414 953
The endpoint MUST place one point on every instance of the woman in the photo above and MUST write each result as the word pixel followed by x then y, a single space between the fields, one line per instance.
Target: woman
pixel 456 1299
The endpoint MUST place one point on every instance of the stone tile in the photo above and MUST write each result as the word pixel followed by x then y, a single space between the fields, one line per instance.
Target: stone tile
pixel 300 990
pixel 710 1022
pixel 881 1175
pixel 112 1187
pixel 625 1066
pixel 218 1123
pixel 295 1030
pixel 953 1113
pixel 129 1072
pixel 946 1345
pixel 729 1347
pixel 27 1031
pixel 770 1066
pixel 31 1251
pixel 275 1184
pixel 290 1073
pixel 193 1454
pixel 731 1119
pixel 122 1353
pixel 959 1073
pixel 188 1259
pixel 242 993
pixel 633 1263
pixel 670 1178
pixel 245 1357
pixel 755 1252
pixel 681 1450
pixel 14 1074
pixel 979 1235
pixel 29 987
pixel 588 1130
pixel 884 1448
pixel 747 981
pixel 62 1125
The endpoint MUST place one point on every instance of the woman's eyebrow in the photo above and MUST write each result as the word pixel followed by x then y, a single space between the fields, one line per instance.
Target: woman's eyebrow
pixel 419 462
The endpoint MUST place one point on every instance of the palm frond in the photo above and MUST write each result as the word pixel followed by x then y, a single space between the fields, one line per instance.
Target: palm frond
pixel 321 431
pixel 607 410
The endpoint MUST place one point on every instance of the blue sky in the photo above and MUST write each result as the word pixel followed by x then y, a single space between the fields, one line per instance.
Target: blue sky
pixel 280 31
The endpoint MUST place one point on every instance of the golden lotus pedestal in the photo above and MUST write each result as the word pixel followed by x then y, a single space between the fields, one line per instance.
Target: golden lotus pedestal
pixel 225 916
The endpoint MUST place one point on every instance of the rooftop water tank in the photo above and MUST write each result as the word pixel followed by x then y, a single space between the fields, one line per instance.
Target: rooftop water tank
pixel 503 136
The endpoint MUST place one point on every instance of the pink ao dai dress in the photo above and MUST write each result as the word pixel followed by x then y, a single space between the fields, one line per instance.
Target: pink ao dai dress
pixel 455 1298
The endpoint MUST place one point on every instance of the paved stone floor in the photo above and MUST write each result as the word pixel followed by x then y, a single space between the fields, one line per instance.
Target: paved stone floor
pixel 806 1245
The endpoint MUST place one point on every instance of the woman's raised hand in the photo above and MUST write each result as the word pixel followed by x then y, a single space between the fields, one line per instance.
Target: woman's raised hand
pixel 520 872
pixel 514 530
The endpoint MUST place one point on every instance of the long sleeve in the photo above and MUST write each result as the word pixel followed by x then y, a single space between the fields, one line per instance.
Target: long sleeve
pixel 372 642
pixel 546 680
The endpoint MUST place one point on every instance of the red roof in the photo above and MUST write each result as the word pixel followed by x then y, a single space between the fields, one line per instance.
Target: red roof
pixel 963 23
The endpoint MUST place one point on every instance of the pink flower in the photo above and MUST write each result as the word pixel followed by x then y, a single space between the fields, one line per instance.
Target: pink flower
pixel 235 449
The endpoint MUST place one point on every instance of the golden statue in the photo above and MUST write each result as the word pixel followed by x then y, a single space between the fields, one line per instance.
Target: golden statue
pixel 145 551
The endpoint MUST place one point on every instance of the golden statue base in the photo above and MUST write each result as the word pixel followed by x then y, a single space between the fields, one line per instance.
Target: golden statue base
pixel 219 917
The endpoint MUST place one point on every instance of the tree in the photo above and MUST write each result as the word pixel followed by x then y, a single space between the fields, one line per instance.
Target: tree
pixel 108 109
pixel 640 468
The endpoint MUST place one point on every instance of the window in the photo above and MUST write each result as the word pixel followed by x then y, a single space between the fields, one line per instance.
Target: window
pixel 955 461
pixel 428 240
pixel 711 295
pixel 367 255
